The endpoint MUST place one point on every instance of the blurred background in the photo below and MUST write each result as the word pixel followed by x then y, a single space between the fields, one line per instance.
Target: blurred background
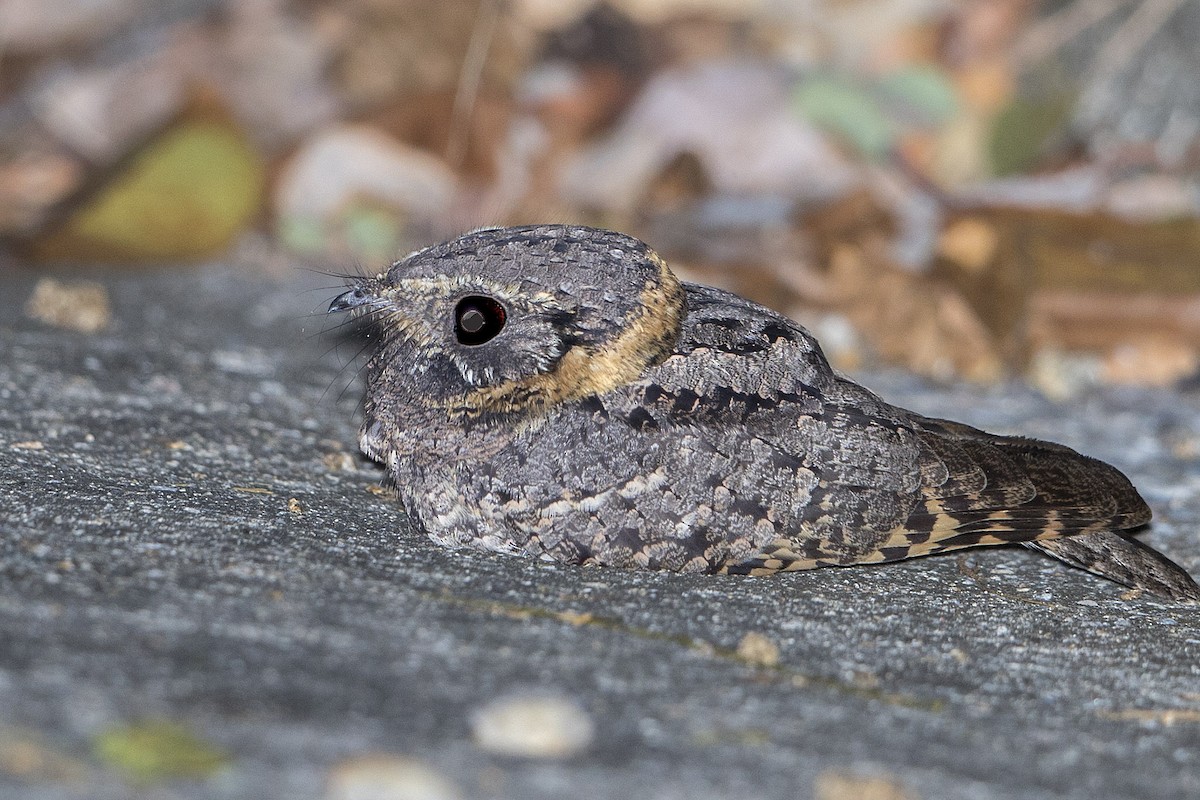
pixel 970 190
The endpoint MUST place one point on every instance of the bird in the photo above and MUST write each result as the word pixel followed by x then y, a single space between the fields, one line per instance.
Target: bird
pixel 556 391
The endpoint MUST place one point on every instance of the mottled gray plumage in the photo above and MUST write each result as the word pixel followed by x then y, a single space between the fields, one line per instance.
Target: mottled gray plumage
pixel 555 391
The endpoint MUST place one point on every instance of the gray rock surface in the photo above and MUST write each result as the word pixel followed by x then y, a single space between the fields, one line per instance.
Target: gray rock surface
pixel 153 565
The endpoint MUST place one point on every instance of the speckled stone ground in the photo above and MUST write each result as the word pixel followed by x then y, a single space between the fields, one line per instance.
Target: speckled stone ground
pixel 186 535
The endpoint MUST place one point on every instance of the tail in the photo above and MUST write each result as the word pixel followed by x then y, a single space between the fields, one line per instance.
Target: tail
pixel 1124 560
pixel 985 489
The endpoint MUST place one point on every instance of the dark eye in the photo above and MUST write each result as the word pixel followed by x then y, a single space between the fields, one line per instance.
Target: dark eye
pixel 478 319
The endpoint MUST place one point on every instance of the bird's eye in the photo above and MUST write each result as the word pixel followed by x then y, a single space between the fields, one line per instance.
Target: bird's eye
pixel 478 319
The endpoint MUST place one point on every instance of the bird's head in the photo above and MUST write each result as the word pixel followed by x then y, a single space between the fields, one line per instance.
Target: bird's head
pixel 515 320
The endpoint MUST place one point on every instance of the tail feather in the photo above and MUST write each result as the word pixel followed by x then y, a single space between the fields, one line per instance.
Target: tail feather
pixel 985 489
pixel 1126 561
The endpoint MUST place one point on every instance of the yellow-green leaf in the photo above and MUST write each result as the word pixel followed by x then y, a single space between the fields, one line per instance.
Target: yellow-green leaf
pixel 153 751
pixel 185 196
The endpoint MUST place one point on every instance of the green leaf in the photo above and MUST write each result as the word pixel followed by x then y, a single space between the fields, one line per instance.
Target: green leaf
pixel 373 233
pixel 922 93
pixel 301 235
pixel 153 751
pixel 1021 132
pixel 846 110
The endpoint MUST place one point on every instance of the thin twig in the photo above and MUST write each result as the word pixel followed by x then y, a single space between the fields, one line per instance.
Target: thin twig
pixel 469 78
pixel 1050 33
pixel 1133 35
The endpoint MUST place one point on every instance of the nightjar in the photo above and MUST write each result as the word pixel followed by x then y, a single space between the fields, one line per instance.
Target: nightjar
pixel 556 391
